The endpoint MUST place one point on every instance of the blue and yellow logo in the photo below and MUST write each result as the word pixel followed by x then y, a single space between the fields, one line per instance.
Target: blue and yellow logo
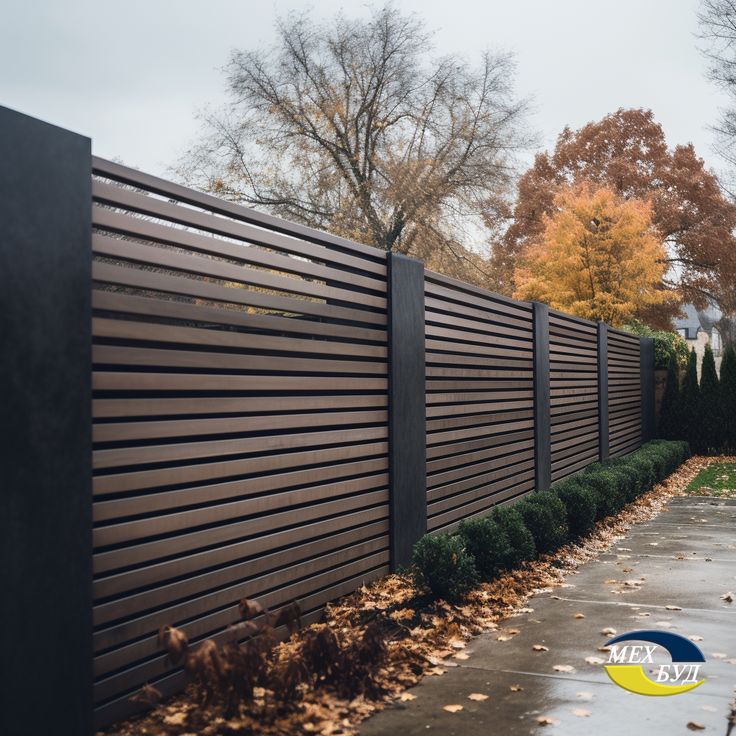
pixel 626 663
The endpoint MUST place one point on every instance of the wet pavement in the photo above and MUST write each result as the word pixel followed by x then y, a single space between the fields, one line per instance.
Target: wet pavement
pixel 668 573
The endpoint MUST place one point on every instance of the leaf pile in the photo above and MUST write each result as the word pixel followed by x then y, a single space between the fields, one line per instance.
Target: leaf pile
pixel 372 645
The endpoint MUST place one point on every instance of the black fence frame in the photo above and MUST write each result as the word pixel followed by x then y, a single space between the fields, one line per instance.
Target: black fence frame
pixel 45 282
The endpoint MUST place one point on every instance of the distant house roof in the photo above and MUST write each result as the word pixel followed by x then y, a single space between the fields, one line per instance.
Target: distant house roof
pixel 697 319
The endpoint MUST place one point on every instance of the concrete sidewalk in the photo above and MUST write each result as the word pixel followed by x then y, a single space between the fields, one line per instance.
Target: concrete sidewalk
pixel 685 557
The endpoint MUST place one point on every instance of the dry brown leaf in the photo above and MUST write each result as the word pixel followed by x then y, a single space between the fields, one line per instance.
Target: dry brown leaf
pixel 695 637
pixel 728 597
pixel 673 608
pixel 563 668
pixel 405 697
pixel 461 655
pixel 516 688
pixel 540 648
pixel 608 631
pixel 477 696
pixel 501 637
pixel 452 708
pixel 547 721
pixel 695 726
pixel 594 660
pixel 176 719
pixel 579 615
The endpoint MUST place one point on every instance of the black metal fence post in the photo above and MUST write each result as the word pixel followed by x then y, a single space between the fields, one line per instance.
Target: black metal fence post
pixel 603 438
pixel 45 430
pixel 407 406
pixel 542 421
pixel 646 365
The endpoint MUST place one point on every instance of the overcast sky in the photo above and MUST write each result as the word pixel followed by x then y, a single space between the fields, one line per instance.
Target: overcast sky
pixel 131 74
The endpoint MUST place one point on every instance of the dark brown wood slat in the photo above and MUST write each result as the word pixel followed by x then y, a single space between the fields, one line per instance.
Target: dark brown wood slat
pixel 142 331
pixel 437 465
pixel 134 531
pixel 151 503
pixel 125 407
pixel 128 304
pixel 123 381
pixel 117 275
pixel 143 479
pixel 158 573
pixel 243 252
pixel 119 356
pixel 120 457
pixel 133 431
pixel 442 522
pixel 149 255
pixel 156 185
pixel 438 308
pixel 371 540
pixel 147 551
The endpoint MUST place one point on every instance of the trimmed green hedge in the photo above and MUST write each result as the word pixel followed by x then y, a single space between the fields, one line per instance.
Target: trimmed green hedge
pixel 450 565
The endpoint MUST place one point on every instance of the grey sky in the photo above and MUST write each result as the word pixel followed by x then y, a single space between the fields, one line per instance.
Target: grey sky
pixel 131 74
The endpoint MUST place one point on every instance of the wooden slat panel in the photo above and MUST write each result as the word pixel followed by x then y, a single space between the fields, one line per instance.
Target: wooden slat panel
pixel 240 419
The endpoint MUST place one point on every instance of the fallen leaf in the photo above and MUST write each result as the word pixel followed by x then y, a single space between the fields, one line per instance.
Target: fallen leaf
pixel 501 637
pixel 585 695
pixel 728 597
pixel 516 688
pixel 579 615
pixel 695 637
pixel 452 708
pixel 405 697
pixel 477 696
pixel 436 671
pixel 540 648
pixel 673 608
pixel 547 721
pixel 594 660
pixel 455 644
pixel 580 712
pixel 608 631
pixel 563 668
pixel 695 726
pixel 461 655
pixel 176 719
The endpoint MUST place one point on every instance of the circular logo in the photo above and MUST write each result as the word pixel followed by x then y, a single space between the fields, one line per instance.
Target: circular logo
pixel 627 662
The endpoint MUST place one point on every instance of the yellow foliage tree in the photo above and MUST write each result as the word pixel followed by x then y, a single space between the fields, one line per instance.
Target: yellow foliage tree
pixel 598 258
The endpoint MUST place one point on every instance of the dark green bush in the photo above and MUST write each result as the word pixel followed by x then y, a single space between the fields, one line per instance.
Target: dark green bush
pixel 628 480
pixel 608 488
pixel 580 505
pixel 646 469
pixel 442 564
pixel 659 457
pixel 520 540
pixel 728 398
pixel 488 544
pixel 669 421
pixel 545 517
pixel 709 431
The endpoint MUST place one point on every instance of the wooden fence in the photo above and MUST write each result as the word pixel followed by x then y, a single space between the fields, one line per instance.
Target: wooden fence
pixel 278 413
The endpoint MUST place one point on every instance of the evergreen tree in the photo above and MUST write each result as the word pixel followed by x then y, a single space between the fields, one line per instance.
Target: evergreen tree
pixel 709 418
pixel 728 398
pixel 669 426
pixel 689 400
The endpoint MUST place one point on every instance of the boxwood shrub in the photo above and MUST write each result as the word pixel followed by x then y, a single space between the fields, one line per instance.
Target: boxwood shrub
pixel 545 517
pixel 580 505
pixel 487 542
pixel 442 564
pixel 450 565
pixel 520 540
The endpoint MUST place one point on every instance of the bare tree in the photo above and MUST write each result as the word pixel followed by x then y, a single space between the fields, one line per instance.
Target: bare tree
pixel 350 126
pixel 717 19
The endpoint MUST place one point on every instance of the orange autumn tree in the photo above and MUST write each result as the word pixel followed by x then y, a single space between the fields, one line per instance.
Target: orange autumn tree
pixel 598 257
